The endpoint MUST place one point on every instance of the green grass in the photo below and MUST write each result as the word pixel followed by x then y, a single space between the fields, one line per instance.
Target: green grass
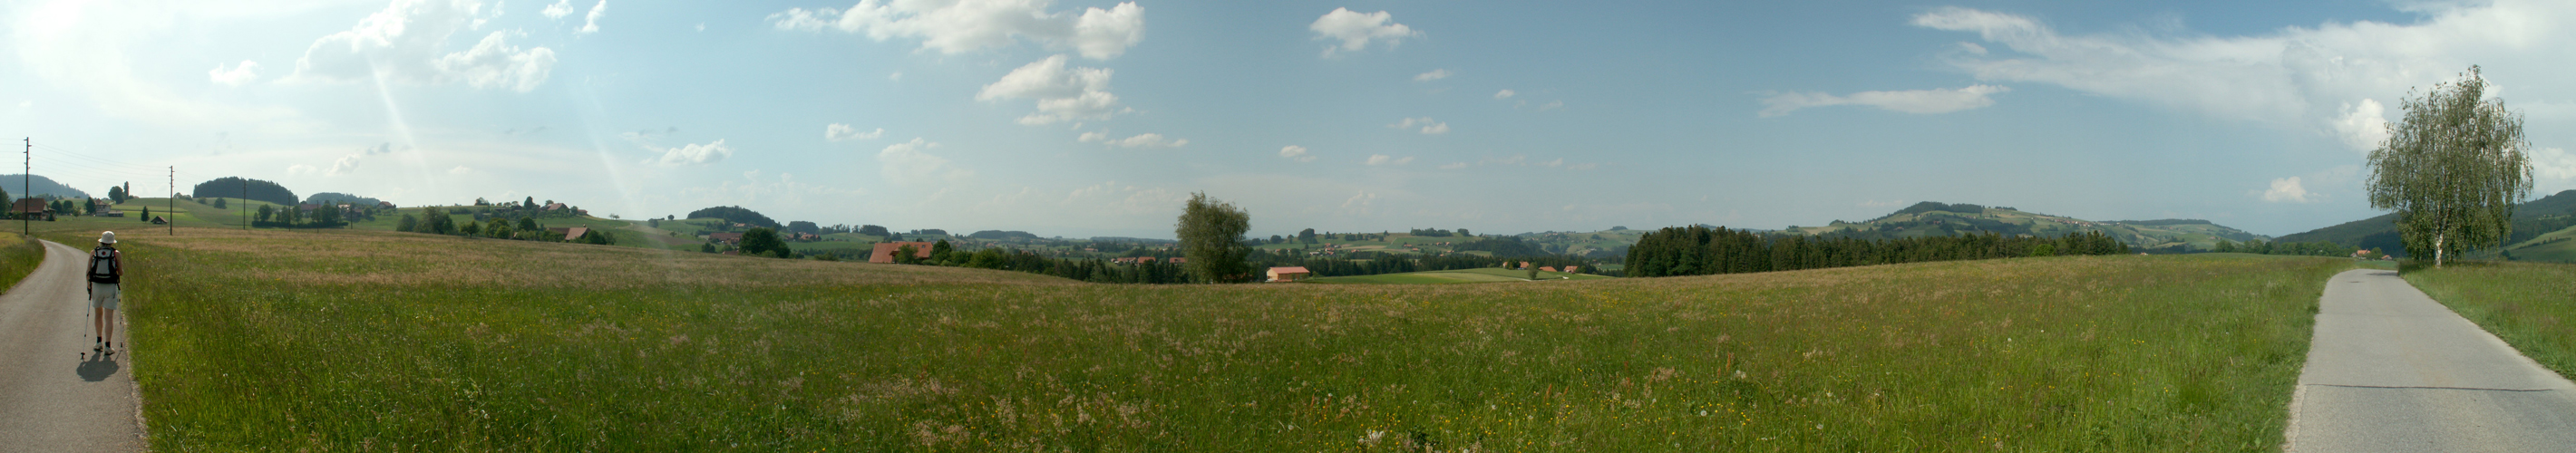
pixel 356 340
pixel 1487 275
pixel 19 257
pixel 2525 304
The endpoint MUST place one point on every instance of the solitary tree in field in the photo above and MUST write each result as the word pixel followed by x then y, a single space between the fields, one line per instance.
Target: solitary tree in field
pixel 1211 234
pixel 2453 168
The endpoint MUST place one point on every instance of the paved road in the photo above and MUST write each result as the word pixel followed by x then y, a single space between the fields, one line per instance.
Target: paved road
pixel 53 395
pixel 2392 370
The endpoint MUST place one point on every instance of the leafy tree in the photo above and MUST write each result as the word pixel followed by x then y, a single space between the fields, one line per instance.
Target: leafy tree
pixel 471 228
pixel 596 237
pixel 408 223
pixel 501 230
pixel 940 251
pixel 801 226
pixel 116 194
pixel 761 241
pixel 147 214
pixel 1306 236
pixel 735 214
pixel 528 224
pixel 219 203
pixel 873 230
pixel 907 255
pixel 264 212
pixel 530 203
pixel 707 248
pixel 1211 233
pixel 2453 168
pixel 251 189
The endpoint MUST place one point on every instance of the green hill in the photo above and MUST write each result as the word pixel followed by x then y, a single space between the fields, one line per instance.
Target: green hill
pixel 2533 222
pixel 1940 219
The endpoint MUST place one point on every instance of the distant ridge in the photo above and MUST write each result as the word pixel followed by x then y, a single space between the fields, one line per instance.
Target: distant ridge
pixel 17 187
pixel 1933 218
pixel 2532 219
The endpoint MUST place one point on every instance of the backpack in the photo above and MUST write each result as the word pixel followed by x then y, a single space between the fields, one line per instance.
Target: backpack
pixel 103 265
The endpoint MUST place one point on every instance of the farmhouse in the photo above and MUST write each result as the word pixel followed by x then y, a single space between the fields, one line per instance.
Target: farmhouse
pixel 1288 274
pixel 726 238
pixel 1570 269
pixel 575 233
pixel 32 207
pixel 885 251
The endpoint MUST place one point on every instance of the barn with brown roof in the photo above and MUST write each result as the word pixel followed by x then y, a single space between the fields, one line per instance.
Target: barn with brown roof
pixel 885 251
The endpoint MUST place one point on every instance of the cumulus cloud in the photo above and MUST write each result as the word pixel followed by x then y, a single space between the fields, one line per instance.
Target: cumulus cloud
pixel 911 164
pixel 1063 93
pixel 238 75
pixel 406 42
pixel 1355 31
pixel 1138 141
pixel 1429 126
pixel 349 163
pixel 1908 101
pixel 558 10
pixel 1382 159
pixel 2286 190
pixel 960 26
pixel 838 132
pixel 2362 126
pixel 1435 74
pixel 2313 78
pixel 1296 153
pixel 1504 94
pixel 590 23
pixel 697 154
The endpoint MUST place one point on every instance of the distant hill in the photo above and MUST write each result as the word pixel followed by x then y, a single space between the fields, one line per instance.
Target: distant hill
pixel 340 198
pixel 1943 219
pixel 17 187
pixel 251 189
pixel 735 214
pixel 2531 220
pixel 998 235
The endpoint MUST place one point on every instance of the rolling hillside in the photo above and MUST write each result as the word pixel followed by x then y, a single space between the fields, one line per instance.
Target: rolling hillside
pixel 1938 219
pixel 2536 223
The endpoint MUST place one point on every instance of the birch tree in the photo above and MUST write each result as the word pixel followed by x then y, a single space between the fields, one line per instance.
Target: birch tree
pixel 2453 168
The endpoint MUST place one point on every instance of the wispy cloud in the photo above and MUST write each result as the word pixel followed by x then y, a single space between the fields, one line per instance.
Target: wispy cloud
pixel 1908 101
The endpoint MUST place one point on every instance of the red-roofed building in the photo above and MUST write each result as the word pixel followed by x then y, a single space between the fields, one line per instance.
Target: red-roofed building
pixel 726 238
pixel 885 251
pixel 575 233
pixel 1547 268
pixel 1288 274
pixel 1571 269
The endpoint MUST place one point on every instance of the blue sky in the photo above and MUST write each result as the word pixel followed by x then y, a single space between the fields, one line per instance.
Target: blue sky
pixel 1081 118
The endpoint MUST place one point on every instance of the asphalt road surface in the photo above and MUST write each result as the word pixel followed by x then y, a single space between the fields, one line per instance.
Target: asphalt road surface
pixel 2392 370
pixel 54 394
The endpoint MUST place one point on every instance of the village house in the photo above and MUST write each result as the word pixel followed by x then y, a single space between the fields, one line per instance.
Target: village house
pixel 1547 268
pixel 575 233
pixel 885 251
pixel 1570 269
pixel 554 206
pixel 1288 274
pixel 726 238
pixel 32 208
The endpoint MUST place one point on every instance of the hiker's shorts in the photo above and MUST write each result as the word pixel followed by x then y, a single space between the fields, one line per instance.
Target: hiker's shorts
pixel 102 295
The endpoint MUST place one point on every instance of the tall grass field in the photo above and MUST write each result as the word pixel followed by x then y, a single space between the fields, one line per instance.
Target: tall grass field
pixel 2528 305
pixel 355 340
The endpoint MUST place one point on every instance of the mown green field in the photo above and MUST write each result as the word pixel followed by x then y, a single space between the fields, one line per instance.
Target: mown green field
pixel 2531 306
pixel 1487 275
pixel 359 340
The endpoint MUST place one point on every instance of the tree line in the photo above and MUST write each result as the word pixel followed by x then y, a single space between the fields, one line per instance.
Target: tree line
pixel 1699 250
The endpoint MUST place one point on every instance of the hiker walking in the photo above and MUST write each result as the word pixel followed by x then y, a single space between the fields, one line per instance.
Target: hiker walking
pixel 106 267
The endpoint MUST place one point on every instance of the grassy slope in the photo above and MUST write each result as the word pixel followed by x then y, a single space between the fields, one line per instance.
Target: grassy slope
pixel 2525 304
pixel 349 339
pixel 1455 276
pixel 2137 234
pixel 19 257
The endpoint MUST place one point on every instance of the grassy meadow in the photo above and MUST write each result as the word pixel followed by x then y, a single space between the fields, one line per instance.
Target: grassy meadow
pixel 2531 306
pixel 18 257
pixel 1486 275
pixel 362 340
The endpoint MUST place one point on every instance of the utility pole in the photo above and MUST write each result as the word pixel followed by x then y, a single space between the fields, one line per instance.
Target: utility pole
pixel 174 201
pixel 245 209
pixel 29 170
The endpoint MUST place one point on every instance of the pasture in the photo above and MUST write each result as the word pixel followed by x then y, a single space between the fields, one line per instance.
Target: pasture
pixel 358 340
pixel 2528 305
pixel 1484 275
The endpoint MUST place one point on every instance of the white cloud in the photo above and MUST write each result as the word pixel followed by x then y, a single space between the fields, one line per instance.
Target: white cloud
pixel 1358 205
pixel 590 23
pixel 406 42
pixel 1296 153
pixel 911 164
pixel 1063 94
pixel 1382 159
pixel 1504 94
pixel 1909 101
pixel 2553 163
pixel 349 163
pixel 1435 74
pixel 1453 165
pixel 838 132
pixel 959 26
pixel 238 75
pixel 2309 78
pixel 558 10
pixel 2362 126
pixel 1356 30
pixel 697 154
pixel 2286 190
pixel 1138 141
pixel 1429 126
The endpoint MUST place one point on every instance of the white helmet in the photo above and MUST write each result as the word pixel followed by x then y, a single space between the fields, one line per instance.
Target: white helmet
pixel 107 237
